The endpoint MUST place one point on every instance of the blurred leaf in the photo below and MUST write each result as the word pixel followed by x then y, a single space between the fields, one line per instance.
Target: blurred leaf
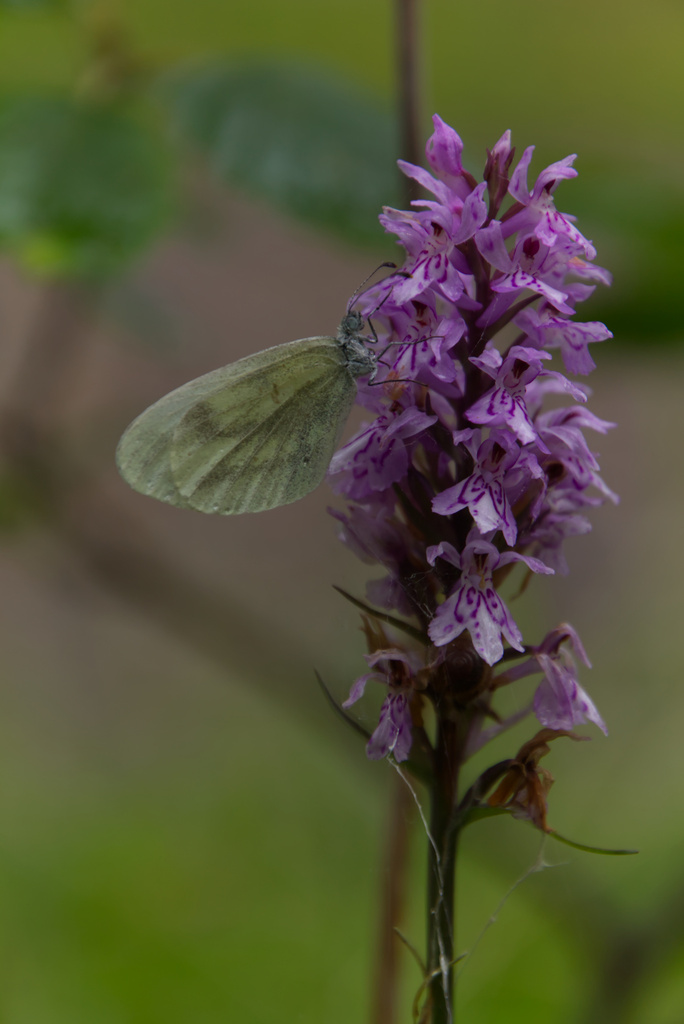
pixel 636 219
pixel 22 501
pixel 83 187
pixel 32 5
pixel 312 144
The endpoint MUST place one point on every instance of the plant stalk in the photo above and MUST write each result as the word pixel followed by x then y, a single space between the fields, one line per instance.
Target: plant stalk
pixel 395 863
pixel 441 880
pixel 409 89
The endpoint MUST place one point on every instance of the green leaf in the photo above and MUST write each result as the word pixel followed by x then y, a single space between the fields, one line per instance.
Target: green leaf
pixel 32 5
pixel 305 141
pixel 339 710
pixel 391 620
pixel 484 811
pixel 83 187
pixel 481 811
pixel 23 501
pixel 636 220
pixel 590 849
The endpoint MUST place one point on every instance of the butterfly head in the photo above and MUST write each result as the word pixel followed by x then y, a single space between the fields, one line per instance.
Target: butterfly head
pixel 359 359
pixel 351 326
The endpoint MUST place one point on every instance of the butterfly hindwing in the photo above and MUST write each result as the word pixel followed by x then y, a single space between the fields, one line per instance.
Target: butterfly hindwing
pixel 265 437
pixel 143 455
pixel 252 435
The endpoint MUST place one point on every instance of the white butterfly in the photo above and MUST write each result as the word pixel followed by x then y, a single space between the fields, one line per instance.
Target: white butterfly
pixel 255 434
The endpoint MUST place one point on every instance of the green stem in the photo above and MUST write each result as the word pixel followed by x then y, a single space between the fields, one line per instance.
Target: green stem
pixel 407 14
pixel 441 879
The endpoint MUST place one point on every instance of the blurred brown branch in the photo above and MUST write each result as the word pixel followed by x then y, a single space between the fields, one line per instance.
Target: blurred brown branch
pixel 116 549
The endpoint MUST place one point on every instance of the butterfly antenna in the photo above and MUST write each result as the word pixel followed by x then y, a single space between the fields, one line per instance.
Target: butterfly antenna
pixel 416 341
pixel 395 380
pixel 369 316
pixel 365 282
pixel 399 380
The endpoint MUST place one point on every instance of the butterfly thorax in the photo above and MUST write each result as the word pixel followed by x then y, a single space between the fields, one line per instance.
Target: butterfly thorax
pixel 360 360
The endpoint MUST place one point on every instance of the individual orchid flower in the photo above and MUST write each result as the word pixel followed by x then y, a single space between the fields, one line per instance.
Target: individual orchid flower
pixel 392 735
pixel 474 604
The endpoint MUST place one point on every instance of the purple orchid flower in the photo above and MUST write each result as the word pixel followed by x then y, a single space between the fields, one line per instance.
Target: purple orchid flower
pixel 467 466
pixel 393 732
pixel 474 603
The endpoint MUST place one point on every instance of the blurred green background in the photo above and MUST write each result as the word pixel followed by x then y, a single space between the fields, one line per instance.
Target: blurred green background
pixel 188 835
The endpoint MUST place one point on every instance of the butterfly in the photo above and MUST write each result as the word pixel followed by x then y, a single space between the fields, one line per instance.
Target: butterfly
pixel 252 435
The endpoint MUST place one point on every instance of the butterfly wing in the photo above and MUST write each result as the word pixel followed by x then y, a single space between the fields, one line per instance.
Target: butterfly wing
pixel 143 455
pixel 266 438
pixel 256 434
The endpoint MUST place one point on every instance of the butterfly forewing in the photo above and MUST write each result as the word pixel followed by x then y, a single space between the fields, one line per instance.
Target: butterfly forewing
pixel 250 436
pixel 266 436
pixel 143 455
